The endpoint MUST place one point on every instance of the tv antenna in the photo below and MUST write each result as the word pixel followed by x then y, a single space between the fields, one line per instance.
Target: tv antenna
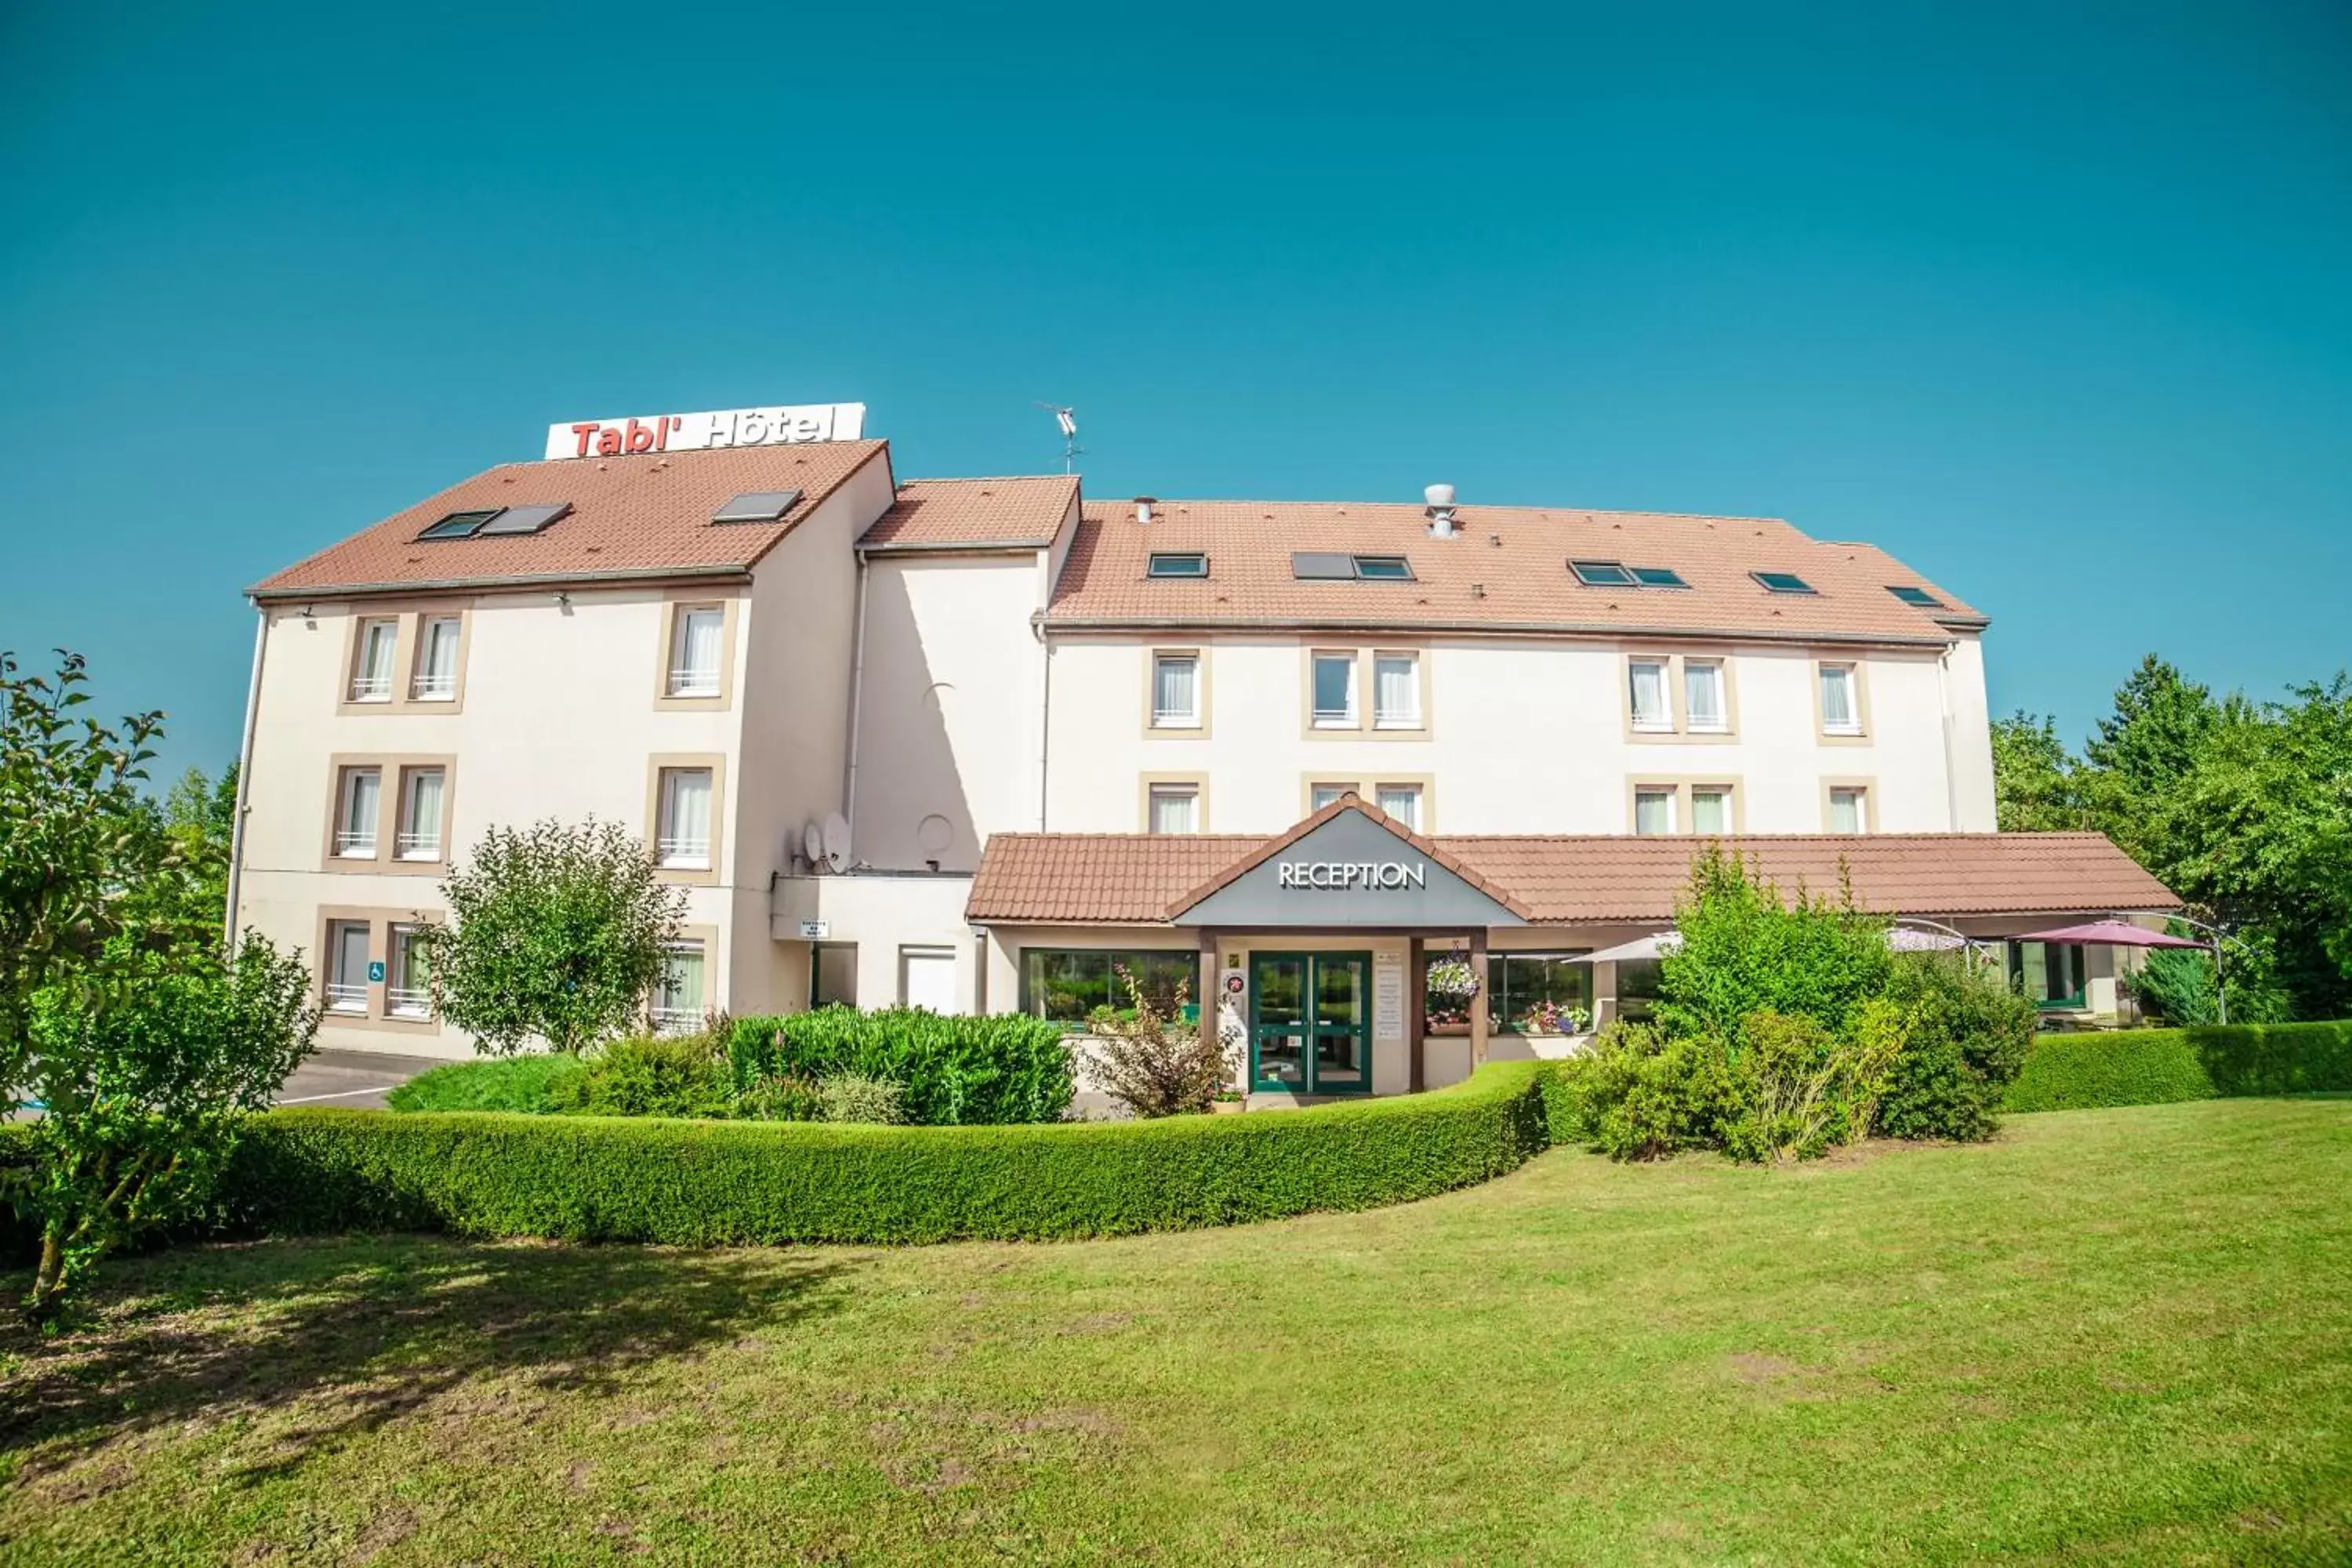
pixel 1067 418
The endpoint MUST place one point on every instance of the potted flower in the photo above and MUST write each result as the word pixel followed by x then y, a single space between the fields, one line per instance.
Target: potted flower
pixel 1449 987
pixel 1228 1102
pixel 1552 1018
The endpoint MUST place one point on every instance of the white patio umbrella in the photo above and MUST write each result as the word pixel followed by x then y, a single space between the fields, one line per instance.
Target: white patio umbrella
pixel 1657 944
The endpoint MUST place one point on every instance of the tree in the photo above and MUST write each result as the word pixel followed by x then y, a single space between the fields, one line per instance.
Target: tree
pixel 142 1095
pixel 1746 949
pixel 558 932
pixel 2142 751
pixel 80 850
pixel 2034 782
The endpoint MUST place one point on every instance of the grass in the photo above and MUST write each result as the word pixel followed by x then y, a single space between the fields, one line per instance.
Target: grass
pixel 2113 1335
pixel 511 1083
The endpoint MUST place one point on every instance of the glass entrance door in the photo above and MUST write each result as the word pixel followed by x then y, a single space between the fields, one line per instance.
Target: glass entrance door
pixel 1311 1022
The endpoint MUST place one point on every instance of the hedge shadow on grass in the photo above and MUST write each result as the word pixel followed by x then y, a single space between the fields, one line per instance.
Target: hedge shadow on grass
pixel 341 1337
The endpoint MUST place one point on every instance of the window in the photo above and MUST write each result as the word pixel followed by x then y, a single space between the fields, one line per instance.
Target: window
pixel 1530 990
pixel 1319 795
pixel 372 667
pixel 347 967
pixel 1919 597
pixel 1401 800
pixel 1653 810
pixel 833 975
pixel 1175 691
pixel 926 979
pixel 679 996
pixel 682 841
pixel 1383 569
pixel 1711 808
pixel 1601 574
pixel 1841 706
pixel 1177 567
pixel 1849 809
pixel 1175 808
pixel 1321 566
pixel 1396 691
pixel 1781 582
pixel 1648 688
pixel 355 813
pixel 1066 985
pixel 1335 690
pixel 407 988
pixel 2050 972
pixel 695 650
pixel 420 814
pixel 756 506
pixel 1703 695
pixel 459 525
pixel 523 519
pixel 436 660
pixel 1658 577
pixel 1638 984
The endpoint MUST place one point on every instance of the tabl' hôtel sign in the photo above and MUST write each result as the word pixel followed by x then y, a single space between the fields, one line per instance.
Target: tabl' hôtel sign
pixel 779 425
pixel 1348 875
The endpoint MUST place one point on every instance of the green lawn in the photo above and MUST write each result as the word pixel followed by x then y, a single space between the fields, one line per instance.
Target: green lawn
pixel 2118 1335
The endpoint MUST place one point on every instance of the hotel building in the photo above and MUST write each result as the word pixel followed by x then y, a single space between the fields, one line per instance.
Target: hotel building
pixel 969 743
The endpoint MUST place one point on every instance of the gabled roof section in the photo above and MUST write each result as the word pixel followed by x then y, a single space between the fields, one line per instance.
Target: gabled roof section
pixel 1506 571
pixel 645 516
pixel 1251 861
pixel 1023 513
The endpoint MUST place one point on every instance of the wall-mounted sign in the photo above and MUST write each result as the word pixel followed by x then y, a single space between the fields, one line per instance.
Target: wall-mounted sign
pixel 376 973
pixel 780 425
pixel 815 931
pixel 1235 985
pixel 1348 876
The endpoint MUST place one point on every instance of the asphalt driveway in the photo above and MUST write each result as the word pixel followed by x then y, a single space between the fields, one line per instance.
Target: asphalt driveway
pixel 351 1077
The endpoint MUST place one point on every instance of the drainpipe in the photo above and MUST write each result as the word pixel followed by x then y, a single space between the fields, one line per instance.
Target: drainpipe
pixel 1952 783
pixel 244 780
pixel 857 700
pixel 1045 713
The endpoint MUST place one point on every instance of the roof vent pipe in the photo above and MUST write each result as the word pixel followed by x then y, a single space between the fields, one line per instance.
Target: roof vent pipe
pixel 1143 505
pixel 1441 510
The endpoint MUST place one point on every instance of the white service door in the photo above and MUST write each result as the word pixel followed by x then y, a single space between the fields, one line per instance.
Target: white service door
pixel 928 977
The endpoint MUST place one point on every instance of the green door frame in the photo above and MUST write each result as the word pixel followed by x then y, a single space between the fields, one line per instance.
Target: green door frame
pixel 1362 1031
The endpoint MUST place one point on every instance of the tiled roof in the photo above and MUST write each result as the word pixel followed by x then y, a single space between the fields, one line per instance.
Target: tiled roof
pixel 951 514
pixel 1506 571
pixel 630 517
pixel 1240 866
pixel 1041 878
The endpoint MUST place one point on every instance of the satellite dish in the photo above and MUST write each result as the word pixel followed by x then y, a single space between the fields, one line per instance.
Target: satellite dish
pixel 836 840
pixel 812 841
pixel 934 833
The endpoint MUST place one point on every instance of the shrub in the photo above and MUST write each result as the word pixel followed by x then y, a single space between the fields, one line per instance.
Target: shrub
pixel 649 1074
pixel 1641 1094
pixel 1154 1063
pixel 852 1097
pixel 1747 950
pixel 1967 1036
pixel 528 1084
pixel 705 1182
pixel 2158 1067
pixel 780 1097
pixel 953 1071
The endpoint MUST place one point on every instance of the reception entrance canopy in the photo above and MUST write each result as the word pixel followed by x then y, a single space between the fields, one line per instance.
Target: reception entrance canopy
pixel 1349 866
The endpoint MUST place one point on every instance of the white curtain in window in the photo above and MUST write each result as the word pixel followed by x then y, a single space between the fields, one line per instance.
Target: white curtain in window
pixel 1335 688
pixel 1703 686
pixel 1837 698
pixel 360 786
pixel 682 986
pixel 375 660
pixel 1173 809
pixel 436 669
pixel 1403 802
pixel 686 817
pixel 1845 811
pixel 1710 811
pixel 422 834
pixel 1324 795
pixel 697 653
pixel 1654 811
pixel 1396 692
pixel 1650 696
pixel 1175 690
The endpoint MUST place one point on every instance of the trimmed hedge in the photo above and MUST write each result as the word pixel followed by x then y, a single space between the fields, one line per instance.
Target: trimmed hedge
pixel 702 1184
pixel 955 1071
pixel 2158 1067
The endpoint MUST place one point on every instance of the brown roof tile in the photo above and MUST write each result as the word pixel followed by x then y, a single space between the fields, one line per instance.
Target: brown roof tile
pixel 951 514
pixel 1602 880
pixel 636 516
pixel 1473 582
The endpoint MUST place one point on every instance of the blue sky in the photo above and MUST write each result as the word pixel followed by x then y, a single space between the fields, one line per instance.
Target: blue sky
pixel 2049 301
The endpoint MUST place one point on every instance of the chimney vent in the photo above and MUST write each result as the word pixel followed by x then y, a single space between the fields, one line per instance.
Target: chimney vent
pixel 1441 510
pixel 1143 505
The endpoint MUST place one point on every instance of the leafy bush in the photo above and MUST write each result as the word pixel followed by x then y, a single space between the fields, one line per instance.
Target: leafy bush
pixel 649 1074
pixel 1967 1036
pixel 526 1083
pixel 1155 1062
pixel 779 1098
pixel 855 1099
pixel 1746 951
pixel 710 1183
pixel 2158 1067
pixel 1641 1094
pixel 953 1071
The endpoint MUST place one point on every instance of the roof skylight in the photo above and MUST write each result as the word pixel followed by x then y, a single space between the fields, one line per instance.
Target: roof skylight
pixel 1383 568
pixel 1783 583
pixel 1178 565
pixel 459 525
pixel 523 519
pixel 1617 574
pixel 1919 597
pixel 757 506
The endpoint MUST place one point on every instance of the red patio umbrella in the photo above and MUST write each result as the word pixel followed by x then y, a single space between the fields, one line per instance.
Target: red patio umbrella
pixel 2110 933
